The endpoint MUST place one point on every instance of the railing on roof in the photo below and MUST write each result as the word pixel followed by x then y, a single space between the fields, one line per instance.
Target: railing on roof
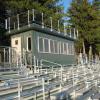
pixel 45 21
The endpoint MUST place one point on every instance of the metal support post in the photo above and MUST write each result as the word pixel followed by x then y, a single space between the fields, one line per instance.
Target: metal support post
pixel 42 21
pixel 19 90
pixel 58 27
pixel 6 25
pixel 61 75
pixel 77 33
pixel 41 66
pixel 43 86
pixel 14 25
pixel 28 18
pixel 33 15
pixel 10 57
pixel 70 32
pixel 51 22
pixel 74 34
pixel 74 85
pixel 34 64
pixel 18 20
pixel 9 24
pixel 64 30
pixel 4 56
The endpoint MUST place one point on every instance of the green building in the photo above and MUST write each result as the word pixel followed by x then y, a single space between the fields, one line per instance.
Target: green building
pixel 43 42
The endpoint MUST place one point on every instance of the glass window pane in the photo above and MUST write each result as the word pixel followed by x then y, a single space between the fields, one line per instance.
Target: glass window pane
pixel 41 44
pixel 56 46
pixel 46 45
pixel 51 46
pixel 29 44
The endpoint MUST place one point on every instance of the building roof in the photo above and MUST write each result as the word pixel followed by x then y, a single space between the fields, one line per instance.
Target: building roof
pixel 39 28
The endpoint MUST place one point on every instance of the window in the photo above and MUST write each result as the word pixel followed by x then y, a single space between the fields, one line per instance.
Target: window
pixel 40 45
pixel 46 45
pixel 62 48
pixel 29 41
pixel 65 48
pixel 56 47
pixel 71 49
pixel 51 46
pixel 16 42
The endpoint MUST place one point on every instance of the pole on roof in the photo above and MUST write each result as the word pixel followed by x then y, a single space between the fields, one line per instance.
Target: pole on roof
pixel 14 25
pixel 74 33
pixel 18 20
pixel 77 33
pixel 6 26
pixel 58 27
pixel 51 22
pixel 64 29
pixel 28 18
pixel 9 24
pixel 70 31
pixel 33 14
pixel 42 21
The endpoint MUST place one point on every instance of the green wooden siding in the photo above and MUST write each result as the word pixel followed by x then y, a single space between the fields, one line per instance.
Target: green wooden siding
pixel 58 58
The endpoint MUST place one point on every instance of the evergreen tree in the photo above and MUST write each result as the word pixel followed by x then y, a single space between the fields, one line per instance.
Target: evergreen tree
pixel 96 6
pixel 84 17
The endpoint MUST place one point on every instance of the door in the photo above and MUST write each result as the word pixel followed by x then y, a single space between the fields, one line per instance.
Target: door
pixel 16 43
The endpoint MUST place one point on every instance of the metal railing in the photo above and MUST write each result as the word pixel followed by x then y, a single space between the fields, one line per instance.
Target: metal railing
pixel 30 17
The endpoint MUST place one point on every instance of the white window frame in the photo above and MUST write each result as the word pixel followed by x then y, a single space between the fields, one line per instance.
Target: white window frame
pixel 69 47
pixel 27 43
pixel 44 45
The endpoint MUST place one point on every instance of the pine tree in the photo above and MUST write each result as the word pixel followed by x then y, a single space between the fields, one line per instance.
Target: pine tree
pixel 84 17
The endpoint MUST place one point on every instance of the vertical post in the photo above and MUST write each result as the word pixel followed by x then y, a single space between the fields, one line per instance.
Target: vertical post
pixel 64 30
pixel 18 65
pixel 9 24
pixel 70 31
pixel 41 65
pixel 14 25
pixel 73 84
pixel 51 22
pixel 10 57
pixel 4 56
pixel 34 64
pixel 77 33
pixel 18 21
pixel 35 98
pixel 28 18
pixel 61 74
pixel 74 34
pixel 43 86
pixel 33 14
pixel 58 27
pixel 37 65
pixel 6 25
pixel 19 90
pixel 42 21
pixel 60 87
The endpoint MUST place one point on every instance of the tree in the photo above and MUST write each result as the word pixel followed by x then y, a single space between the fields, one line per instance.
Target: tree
pixel 96 6
pixel 50 8
pixel 84 17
